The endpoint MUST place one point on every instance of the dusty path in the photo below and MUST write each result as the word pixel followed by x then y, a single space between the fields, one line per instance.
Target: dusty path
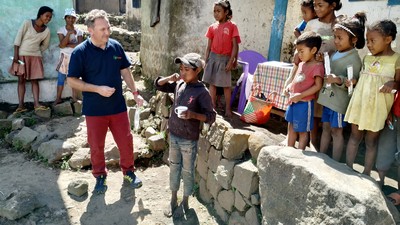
pixel 120 205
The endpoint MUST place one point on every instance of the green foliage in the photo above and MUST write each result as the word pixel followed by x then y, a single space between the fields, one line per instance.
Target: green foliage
pixel 64 163
pixel 18 146
pixel 30 121
pixel 4 132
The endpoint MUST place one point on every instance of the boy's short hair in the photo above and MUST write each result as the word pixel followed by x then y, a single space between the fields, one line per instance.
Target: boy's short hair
pixel 310 39
pixel 191 60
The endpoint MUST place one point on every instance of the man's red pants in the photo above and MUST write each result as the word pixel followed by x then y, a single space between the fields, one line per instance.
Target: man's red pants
pixel 97 127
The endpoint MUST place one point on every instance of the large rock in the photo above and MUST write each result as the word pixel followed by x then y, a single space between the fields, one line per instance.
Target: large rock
pixel 245 178
pixel 203 148
pixel 224 173
pixel 235 143
pixel 226 199
pixel 217 131
pixel 80 158
pixel 204 194
pixel 157 142
pixel 258 140
pixel 212 185
pixel 63 109
pixel 24 138
pixel 78 187
pixel 18 204
pixel 54 150
pixel 303 187
pixel 214 157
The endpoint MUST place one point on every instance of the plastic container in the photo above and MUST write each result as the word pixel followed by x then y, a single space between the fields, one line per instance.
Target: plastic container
pixel 136 121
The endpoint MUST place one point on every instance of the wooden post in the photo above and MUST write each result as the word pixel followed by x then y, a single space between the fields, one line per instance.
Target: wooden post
pixel 277 29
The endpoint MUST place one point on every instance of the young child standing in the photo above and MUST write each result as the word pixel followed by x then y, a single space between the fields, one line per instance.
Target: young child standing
pixel 222 50
pixel 69 37
pixel 184 129
pixel 303 88
pixel 308 13
pixel 349 34
pixel 32 39
pixel 373 98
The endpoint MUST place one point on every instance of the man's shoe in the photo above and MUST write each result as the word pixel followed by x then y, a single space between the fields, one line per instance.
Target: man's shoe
pixel 132 179
pixel 101 186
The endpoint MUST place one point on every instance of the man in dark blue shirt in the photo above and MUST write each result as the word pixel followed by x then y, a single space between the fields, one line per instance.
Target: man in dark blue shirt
pixel 102 63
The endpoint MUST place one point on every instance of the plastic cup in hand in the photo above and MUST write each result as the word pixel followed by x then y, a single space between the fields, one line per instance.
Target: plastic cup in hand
pixel 180 110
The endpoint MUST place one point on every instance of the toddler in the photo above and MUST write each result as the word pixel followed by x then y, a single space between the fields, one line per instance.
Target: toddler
pixel 303 88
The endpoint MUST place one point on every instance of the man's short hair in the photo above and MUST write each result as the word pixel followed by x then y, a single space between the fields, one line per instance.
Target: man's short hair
pixel 93 15
pixel 310 39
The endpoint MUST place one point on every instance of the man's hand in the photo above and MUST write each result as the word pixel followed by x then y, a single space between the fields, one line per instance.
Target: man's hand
pixel 105 91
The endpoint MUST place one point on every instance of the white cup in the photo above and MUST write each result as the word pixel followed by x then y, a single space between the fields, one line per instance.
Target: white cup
pixel 180 110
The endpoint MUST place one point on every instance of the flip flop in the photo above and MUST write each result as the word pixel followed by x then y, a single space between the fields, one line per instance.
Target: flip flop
pixel 394 198
pixel 20 110
pixel 41 108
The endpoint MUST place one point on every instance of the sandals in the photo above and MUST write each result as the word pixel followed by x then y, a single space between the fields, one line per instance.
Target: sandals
pixel 41 108
pixel 394 198
pixel 20 110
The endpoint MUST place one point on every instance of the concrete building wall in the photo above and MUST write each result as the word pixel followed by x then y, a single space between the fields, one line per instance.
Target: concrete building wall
pixel 12 14
pixel 375 10
pixel 133 15
pixel 183 24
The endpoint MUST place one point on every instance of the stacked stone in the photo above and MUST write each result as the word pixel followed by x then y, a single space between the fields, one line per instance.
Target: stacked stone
pixel 130 40
pixel 225 178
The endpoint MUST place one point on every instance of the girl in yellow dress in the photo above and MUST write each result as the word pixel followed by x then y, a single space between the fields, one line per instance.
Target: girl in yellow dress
pixel 374 93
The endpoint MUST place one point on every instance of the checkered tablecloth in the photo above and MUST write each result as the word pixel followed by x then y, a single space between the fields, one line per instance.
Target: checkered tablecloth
pixel 270 77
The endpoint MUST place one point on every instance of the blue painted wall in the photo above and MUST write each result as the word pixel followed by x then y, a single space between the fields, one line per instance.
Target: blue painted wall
pixel 12 14
pixel 277 29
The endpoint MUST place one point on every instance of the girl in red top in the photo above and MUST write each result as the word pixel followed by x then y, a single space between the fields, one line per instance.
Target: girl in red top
pixel 222 49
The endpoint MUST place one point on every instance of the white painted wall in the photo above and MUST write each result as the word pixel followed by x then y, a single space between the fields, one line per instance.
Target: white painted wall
pixel 375 10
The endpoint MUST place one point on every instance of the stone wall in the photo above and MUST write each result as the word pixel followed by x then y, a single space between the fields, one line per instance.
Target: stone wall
pixel 247 178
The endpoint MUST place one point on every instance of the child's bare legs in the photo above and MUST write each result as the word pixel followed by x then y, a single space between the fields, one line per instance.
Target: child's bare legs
pixel 352 146
pixel 227 93
pixel 35 92
pixel 371 143
pixel 21 91
pixel 60 89
pixel 213 94
pixel 338 143
pixel 314 134
pixel 292 136
pixel 325 137
pixel 303 140
pixel 382 175
pixel 173 204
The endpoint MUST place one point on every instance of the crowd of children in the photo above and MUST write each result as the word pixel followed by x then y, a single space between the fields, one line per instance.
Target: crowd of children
pixel 358 92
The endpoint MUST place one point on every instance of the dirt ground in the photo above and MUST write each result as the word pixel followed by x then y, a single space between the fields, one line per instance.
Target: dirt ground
pixel 120 204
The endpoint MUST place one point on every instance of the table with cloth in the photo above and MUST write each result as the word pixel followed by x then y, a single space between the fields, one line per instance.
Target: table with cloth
pixel 270 77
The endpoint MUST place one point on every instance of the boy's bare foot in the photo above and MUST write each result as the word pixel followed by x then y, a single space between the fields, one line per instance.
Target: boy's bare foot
pixel 169 211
